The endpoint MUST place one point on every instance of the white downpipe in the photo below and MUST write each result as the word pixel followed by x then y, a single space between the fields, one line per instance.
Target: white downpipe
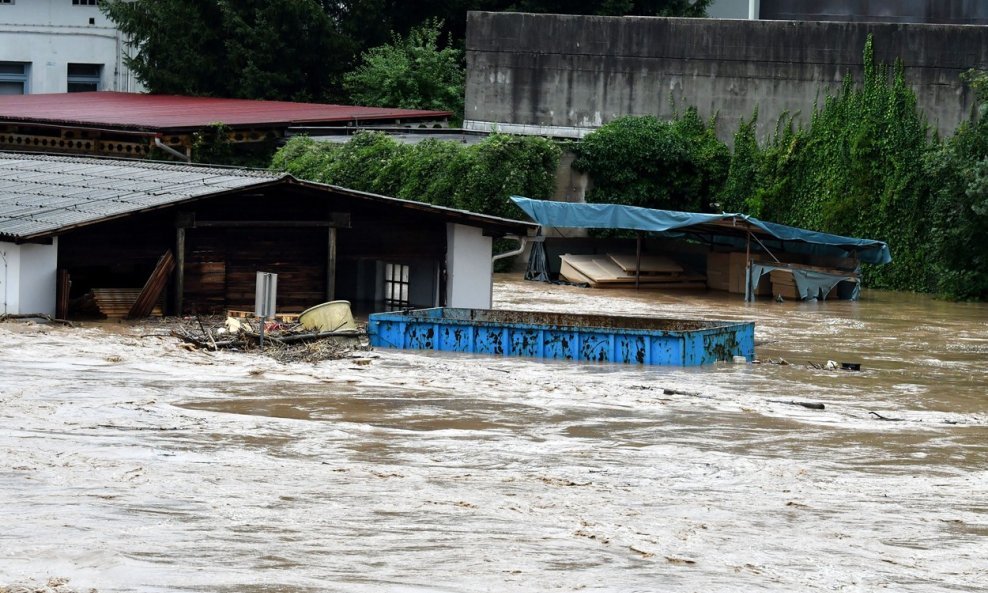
pixel 3 256
pixel 522 241
pixel 171 151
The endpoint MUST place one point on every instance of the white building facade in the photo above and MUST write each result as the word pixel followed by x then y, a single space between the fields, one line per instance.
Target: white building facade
pixel 58 46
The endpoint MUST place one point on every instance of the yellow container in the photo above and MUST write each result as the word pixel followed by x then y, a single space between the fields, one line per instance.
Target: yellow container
pixel 333 316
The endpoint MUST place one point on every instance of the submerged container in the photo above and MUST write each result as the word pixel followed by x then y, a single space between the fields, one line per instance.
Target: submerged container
pixel 334 316
pixel 564 336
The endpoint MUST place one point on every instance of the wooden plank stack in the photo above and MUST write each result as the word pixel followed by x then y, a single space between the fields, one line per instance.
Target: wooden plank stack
pixel 783 284
pixel 728 271
pixel 618 271
pixel 115 303
pixel 154 287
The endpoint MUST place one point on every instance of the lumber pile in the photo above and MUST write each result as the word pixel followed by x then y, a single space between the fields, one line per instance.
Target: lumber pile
pixel 783 284
pixel 618 271
pixel 116 303
pixel 728 271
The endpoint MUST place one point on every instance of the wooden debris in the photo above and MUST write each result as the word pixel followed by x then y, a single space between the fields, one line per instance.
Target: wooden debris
pixel 151 293
pixel 287 343
pixel 116 303
pixel 46 317
pixel 808 405
pixel 886 418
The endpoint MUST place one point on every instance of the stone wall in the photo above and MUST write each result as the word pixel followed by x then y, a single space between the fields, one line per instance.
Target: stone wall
pixel 566 75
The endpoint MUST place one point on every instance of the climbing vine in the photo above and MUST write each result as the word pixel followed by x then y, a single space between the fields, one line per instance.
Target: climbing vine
pixel 479 177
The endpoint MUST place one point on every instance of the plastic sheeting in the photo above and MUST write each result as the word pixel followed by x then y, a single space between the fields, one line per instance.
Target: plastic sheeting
pixel 538 268
pixel 670 222
pixel 810 284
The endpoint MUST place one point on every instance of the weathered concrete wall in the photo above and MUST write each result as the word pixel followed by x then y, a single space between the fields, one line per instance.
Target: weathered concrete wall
pixel 957 12
pixel 569 74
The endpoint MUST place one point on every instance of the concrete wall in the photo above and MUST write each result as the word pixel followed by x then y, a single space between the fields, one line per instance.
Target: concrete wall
pixel 733 9
pixel 28 278
pixel 566 75
pixel 957 12
pixel 47 35
pixel 468 267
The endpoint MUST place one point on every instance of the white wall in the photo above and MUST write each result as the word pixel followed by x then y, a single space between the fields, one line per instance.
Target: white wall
pixel 50 34
pixel 734 9
pixel 468 267
pixel 28 278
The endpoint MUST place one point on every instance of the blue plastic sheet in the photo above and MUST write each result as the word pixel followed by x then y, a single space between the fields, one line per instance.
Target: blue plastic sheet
pixel 670 222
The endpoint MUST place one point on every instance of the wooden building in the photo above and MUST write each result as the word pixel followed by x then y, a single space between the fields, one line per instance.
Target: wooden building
pixel 70 226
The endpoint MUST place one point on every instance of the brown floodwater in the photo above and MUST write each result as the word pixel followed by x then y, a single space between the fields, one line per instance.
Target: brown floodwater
pixel 130 464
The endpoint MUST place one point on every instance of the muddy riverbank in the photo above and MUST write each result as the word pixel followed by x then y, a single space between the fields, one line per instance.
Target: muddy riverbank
pixel 132 464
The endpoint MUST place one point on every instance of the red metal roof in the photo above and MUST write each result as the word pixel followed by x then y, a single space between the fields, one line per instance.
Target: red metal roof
pixel 168 112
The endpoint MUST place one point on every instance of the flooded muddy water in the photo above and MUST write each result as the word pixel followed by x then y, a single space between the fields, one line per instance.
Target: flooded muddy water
pixel 130 464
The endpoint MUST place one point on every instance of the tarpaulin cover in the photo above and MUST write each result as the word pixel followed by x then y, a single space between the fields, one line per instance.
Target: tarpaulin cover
pixel 670 222
pixel 810 284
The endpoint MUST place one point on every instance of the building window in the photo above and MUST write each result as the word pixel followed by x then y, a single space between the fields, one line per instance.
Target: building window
pixel 85 2
pixel 395 287
pixel 84 77
pixel 6 1
pixel 13 78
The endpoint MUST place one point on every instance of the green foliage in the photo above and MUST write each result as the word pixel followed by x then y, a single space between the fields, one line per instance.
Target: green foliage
pixel 259 49
pixel 958 171
pixel 868 166
pixel 643 161
pixel 480 177
pixel 411 72
pixel 213 145
pixel 299 49
pixel 504 165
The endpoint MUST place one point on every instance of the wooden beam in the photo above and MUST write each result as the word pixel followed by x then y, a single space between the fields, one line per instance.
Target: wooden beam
pixel 638 261
pixel 62 295
pixel 331 265
pixel 339 220
pixel 179 269
pixel 153 288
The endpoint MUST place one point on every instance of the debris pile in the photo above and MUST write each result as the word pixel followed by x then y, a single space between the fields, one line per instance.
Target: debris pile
pixel 285 341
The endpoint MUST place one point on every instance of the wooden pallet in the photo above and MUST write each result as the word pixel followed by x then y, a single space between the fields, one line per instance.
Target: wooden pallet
pixel 279 317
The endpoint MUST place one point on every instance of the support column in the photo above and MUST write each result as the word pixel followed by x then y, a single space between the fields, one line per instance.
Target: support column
pixel 331 265
pixel 179 269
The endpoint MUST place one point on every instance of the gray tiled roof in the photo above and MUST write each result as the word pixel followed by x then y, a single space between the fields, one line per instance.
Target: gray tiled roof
pixel 41 194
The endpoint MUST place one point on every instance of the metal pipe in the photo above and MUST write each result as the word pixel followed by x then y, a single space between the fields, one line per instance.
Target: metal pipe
pixel 170 150
pixel 522 241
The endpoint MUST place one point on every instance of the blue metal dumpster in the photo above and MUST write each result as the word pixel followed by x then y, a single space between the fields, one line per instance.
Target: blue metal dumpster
pixel 564 336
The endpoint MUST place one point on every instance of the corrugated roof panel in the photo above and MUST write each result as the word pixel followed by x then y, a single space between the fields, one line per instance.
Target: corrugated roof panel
pixel 101 189
pixel 42 193
pixel 164 112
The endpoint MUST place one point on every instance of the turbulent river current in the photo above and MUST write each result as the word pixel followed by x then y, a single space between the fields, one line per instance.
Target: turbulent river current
pixel 130 464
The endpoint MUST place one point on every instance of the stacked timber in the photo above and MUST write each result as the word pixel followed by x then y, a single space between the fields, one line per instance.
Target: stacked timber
pixel 783 284
pixel 618 271
pixel 116 303
pixel 729 271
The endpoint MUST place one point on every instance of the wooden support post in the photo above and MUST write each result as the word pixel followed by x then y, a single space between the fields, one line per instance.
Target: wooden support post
pixel 179 269
pixel 638 263
pixel 331 265
pixel 62 295
pixel 748 293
